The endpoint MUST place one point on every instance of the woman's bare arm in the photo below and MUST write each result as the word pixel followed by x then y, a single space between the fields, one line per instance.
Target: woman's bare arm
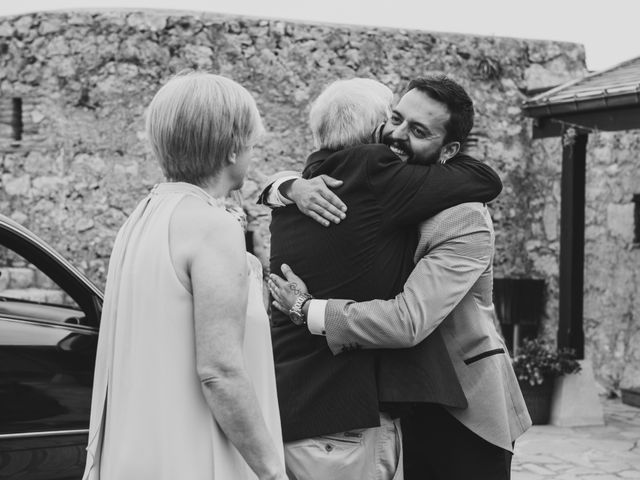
pixel 214 253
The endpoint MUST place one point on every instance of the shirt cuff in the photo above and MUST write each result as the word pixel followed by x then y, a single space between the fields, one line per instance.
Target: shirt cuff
pixel 315 317
pixel 274 197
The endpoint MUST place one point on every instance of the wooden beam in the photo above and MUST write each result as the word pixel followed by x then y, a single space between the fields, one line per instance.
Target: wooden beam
pixel 570 328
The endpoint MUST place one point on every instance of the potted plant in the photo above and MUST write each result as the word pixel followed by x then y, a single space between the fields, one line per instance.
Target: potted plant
pixel 631 396
pixel 537 364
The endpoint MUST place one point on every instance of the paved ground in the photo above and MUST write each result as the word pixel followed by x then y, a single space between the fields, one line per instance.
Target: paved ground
pixel 610 452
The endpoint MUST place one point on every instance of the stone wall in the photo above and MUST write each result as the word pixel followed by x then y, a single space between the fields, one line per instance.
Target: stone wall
pixel 29 283
pixel 84 80
pixel 612 258
pixel 22 280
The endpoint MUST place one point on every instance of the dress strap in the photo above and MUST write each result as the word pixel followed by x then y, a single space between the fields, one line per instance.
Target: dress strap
pixel 186 188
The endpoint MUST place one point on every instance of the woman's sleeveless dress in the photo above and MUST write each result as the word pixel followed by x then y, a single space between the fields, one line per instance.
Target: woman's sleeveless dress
pixel 149 417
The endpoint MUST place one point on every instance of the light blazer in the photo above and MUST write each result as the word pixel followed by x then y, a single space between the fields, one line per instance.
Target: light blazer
pixel 451 288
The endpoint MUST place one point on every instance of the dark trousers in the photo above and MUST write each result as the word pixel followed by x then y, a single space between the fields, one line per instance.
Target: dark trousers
pixel 439 447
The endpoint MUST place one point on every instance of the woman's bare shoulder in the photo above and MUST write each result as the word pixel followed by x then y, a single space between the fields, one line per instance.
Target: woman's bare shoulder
pixel 195 215
pixel 197 226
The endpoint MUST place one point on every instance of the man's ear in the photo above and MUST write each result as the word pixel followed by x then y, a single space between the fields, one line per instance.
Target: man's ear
pixel 231 158
pixel 449 151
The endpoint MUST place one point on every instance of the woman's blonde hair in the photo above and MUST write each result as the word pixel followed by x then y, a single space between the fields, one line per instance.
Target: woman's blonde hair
pixel 348 111
pixel 196 121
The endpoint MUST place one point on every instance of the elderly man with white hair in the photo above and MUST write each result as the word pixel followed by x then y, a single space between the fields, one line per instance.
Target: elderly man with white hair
pixel 339 412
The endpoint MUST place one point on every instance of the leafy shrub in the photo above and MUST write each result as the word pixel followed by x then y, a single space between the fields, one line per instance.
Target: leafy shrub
pixel 538 361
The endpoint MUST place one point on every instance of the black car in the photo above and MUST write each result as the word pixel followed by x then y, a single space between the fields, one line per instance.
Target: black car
pixel 49 317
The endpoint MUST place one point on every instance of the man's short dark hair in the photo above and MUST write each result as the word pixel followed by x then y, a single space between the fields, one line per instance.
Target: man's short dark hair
pixel 457 100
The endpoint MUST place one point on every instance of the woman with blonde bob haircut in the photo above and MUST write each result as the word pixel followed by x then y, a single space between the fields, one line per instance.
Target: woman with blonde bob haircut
pixel 184 383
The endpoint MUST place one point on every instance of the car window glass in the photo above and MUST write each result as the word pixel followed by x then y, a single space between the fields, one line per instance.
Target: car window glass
pixel 23 281
pixel 47 355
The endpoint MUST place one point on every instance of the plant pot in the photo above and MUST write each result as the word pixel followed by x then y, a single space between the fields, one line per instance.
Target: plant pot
pixel 631 396
pixel 538 400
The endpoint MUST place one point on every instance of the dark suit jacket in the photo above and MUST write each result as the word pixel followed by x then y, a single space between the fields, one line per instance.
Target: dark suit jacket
pixel 368 255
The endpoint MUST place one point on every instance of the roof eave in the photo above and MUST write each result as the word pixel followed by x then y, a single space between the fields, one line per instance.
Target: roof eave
pixel 602 102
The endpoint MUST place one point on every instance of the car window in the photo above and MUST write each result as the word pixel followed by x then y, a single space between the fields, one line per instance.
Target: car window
pixel 26 283
pixel 47 352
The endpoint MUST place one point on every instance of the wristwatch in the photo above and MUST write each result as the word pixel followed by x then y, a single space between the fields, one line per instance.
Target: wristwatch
pixel 295 313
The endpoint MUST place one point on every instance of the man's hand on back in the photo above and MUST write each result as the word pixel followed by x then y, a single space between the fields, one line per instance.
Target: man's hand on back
pixel 285 291
pixel 315 199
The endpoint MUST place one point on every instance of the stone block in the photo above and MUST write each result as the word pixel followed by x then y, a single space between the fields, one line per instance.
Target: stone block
pixel 19 217
pixel 21 278
pixel 550 218
pixel 546 264
pixel 50 25
pixel 16 185
pixel 538 76
pixel 200 56
pixel 6 131
pixel 147 21
pixel 37 163
pixel 36 295
pixel 620 221
pixel 65 67
pixel 575 400
pixel 4 279
pixel 36 116
pixel 6 29
pixel 57 297
pixel 23 24
pixel 43 281
pixel 58 46
pixel 47 185
pixel 84 224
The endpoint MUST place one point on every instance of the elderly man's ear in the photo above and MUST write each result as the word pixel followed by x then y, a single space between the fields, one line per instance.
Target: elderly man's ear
pixel 449 151
pixel 231 158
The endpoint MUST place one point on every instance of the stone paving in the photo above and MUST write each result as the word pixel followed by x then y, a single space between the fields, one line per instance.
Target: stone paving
pixel 607 452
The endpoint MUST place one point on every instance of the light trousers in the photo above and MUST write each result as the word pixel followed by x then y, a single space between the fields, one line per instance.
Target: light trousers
pixel 367 454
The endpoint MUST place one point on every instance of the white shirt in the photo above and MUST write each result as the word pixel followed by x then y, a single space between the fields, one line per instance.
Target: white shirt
pixel 274 197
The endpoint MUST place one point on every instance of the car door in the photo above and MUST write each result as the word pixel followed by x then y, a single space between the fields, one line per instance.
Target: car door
pixel 49 316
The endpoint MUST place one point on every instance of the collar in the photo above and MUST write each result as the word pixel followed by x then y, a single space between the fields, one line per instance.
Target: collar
pixel 315 160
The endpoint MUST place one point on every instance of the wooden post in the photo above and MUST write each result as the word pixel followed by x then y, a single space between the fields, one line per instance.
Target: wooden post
pixel 570 328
